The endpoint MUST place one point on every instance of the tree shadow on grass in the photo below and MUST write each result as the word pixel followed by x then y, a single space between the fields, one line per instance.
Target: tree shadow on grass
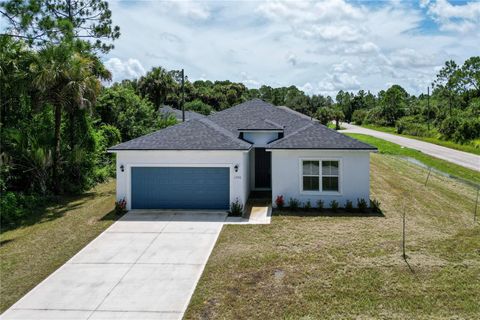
pixel 326 213
pixel 53 208
pixel 111 216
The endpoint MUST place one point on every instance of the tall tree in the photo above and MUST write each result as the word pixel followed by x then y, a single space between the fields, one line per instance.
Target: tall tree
pixel 156 85
pixel 42 22
pixel 66 80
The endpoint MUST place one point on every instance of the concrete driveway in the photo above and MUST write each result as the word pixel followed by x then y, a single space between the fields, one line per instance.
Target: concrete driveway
pixel 145 266
pixel 461 158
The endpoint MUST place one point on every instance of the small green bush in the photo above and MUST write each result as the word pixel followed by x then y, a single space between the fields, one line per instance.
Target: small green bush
pixel 293 204
pixel 307 205
pixel 236 208
pixel 413 126
pixel 121 207
pixel 334 205
pixel 358 116
pixel 16 207
pixel 362 205
pixel 320 205
pixel 349 206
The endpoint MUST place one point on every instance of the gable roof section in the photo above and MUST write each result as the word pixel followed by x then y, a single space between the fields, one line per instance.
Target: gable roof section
pixel 263 124
pixel 220 131
pixel 196 134
pixel 317 136
pixel 248 113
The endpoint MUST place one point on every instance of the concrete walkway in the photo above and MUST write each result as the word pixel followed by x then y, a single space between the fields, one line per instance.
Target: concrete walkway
pixel 461 158
pixel 145 266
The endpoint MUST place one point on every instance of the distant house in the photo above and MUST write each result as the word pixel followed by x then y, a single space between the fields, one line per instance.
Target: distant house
pixel 189 115
pixel 209 162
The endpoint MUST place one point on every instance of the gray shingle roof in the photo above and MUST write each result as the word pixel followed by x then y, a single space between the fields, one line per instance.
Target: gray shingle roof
pixel 220 131
pixel 262 124
pixel 317 136
pixel 196 134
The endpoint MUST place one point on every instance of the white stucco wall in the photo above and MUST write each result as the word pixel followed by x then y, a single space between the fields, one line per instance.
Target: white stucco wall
pixel 260 138
pixel 354 175
pixel 239 181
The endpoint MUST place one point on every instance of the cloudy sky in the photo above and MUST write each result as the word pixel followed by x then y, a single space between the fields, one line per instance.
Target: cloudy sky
pixel 319 46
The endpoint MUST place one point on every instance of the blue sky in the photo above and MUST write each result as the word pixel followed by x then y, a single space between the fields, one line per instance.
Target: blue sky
pixel 319 46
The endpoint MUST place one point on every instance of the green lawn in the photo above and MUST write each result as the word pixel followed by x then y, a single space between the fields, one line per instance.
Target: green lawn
pixel 449 144
pixel 386 147
pixel 30 253
pixel 347 267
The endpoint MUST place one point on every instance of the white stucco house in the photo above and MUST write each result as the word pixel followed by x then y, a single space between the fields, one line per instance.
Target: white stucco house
pixel 210 162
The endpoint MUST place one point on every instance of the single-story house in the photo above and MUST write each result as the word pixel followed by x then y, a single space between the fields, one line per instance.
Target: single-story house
pixel 169 111
pixel 210 162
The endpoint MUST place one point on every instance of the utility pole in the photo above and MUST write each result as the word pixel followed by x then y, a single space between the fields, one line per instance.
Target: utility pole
pixel 428 108
pixel 183 96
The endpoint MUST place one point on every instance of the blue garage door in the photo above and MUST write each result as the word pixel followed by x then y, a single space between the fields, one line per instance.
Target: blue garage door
pixel 180 188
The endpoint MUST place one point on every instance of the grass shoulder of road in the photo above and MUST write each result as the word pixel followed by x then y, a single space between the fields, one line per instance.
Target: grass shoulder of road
pixel 386 147
pixel 448 144
pixel 351 267
pixel 28 254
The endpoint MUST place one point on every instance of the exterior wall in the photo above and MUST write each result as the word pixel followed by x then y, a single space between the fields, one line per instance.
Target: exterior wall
pixel 354 175
pixel 239 181
pixel 260 138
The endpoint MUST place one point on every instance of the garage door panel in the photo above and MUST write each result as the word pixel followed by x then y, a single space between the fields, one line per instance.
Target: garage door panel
pixel 180 188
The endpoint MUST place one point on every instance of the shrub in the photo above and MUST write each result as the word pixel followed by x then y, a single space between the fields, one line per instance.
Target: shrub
pixel 320 205
pixel 236 208
pixel 334 205
pixel 349 206
pixel 412 126
pixel 375 205
pixel 362 205
pixel 199 106
pixel 279 202
pixel 307 205
pixel 375 116
pixel 16 207
pixel 121 206
pixel 358 116
pixel 293 204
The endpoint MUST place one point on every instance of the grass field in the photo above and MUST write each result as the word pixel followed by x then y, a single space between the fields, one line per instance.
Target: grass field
pixel 30 253
pixel 449 144
pixel 324 267
pixel 386 147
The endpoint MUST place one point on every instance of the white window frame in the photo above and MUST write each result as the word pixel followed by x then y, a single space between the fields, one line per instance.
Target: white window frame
pixel 320 182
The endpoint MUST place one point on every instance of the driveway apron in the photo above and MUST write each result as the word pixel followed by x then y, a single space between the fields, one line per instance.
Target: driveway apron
pixel 145 266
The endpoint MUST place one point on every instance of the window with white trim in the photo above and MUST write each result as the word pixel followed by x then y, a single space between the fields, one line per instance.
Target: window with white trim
pixel 320 175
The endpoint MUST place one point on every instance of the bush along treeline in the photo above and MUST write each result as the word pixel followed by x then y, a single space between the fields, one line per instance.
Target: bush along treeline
pixel 451 112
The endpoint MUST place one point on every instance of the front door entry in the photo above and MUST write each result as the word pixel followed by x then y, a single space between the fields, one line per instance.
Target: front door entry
pixel 263 169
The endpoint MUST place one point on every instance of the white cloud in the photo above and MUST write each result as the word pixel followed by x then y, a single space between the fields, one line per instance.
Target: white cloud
pixel 190 9
pixel 127 69
pixel 329 45
pixel 461 18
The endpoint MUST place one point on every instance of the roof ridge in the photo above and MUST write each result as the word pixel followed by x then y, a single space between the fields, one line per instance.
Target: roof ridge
pixel 293 133
pixel 273 122
pixel 222 130
pixel 295 112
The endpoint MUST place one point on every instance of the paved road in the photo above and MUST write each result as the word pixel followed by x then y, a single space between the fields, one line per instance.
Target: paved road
pixel 464 159
pixel 145 266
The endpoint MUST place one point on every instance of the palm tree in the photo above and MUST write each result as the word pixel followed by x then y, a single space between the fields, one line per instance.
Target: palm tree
pixel 156 84
pixel 67 80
